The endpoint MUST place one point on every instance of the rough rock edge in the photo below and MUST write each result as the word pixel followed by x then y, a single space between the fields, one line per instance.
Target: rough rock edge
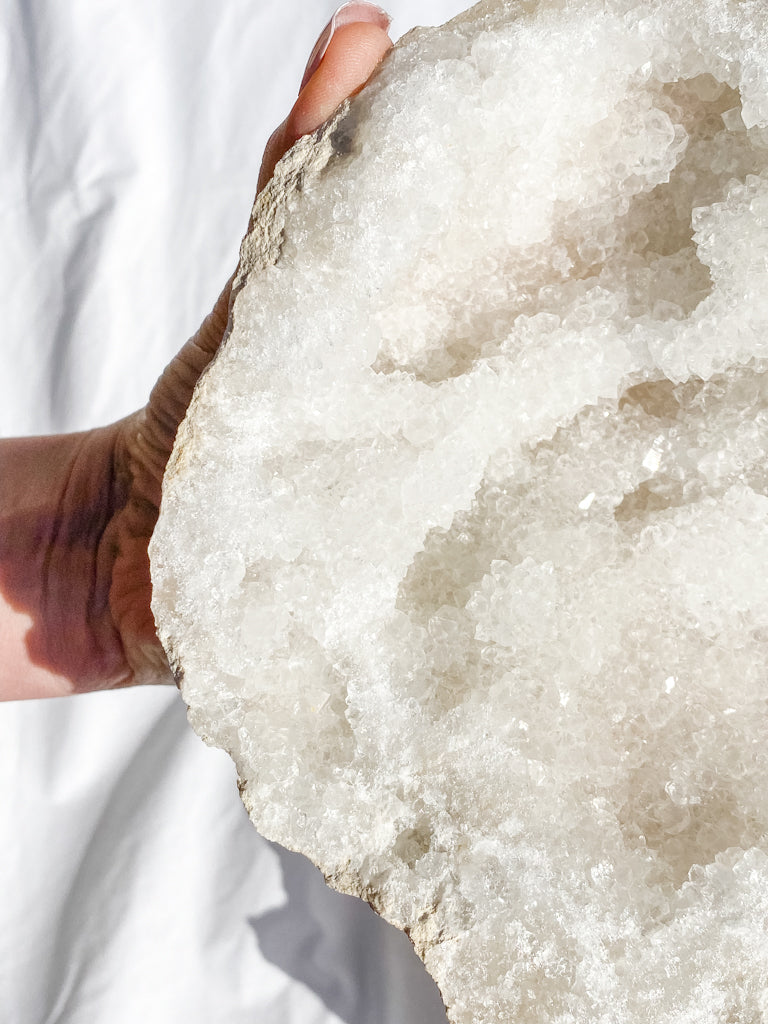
pixel 261 248
pixel 424 934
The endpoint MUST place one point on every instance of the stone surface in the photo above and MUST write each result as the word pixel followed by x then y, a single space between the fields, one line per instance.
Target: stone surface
pixel 464 546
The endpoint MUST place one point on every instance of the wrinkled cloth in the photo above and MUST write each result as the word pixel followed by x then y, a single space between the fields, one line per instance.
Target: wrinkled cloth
pixel 133 886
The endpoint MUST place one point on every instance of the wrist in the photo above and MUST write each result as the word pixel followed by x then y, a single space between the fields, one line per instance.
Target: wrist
pixel 58 496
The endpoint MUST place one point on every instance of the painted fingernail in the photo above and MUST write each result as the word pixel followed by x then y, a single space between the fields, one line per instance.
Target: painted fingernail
pixel 347 14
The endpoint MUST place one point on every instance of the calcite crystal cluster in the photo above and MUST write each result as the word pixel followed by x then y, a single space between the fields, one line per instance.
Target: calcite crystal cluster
pixel 463 553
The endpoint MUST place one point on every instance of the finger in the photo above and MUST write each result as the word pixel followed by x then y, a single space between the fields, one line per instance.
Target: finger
pixel 349 13
pixel 351 55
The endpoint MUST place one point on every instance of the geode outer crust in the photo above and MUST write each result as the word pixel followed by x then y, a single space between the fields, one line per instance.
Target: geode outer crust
pixel 463 546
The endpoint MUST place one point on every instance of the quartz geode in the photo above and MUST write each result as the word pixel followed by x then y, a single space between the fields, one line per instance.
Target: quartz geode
pixel 463 553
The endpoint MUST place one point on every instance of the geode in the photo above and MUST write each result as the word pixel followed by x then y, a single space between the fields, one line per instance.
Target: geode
pixel 463 553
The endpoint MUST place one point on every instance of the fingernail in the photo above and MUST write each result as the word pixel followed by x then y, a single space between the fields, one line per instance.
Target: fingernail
pixel 348 14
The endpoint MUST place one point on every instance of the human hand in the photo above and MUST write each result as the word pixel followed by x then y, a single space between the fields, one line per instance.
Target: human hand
pixel 77 511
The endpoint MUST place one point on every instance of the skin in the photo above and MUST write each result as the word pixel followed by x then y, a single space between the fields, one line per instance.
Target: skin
pixel 77 510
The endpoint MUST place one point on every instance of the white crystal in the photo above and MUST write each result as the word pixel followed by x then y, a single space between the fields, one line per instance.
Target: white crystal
pixel 528 264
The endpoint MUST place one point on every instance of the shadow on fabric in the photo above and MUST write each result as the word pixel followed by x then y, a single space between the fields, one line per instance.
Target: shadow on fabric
pixel 364 970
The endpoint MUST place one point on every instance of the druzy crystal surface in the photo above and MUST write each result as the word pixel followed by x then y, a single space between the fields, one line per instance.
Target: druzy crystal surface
pixel 463 554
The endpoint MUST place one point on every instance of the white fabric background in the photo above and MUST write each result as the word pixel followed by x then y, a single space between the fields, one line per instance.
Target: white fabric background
pixel 133 888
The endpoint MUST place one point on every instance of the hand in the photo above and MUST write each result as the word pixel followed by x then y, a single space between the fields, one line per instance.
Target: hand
pixel 77 511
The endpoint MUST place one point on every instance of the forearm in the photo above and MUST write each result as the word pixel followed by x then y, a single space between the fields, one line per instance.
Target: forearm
pixel 57 496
